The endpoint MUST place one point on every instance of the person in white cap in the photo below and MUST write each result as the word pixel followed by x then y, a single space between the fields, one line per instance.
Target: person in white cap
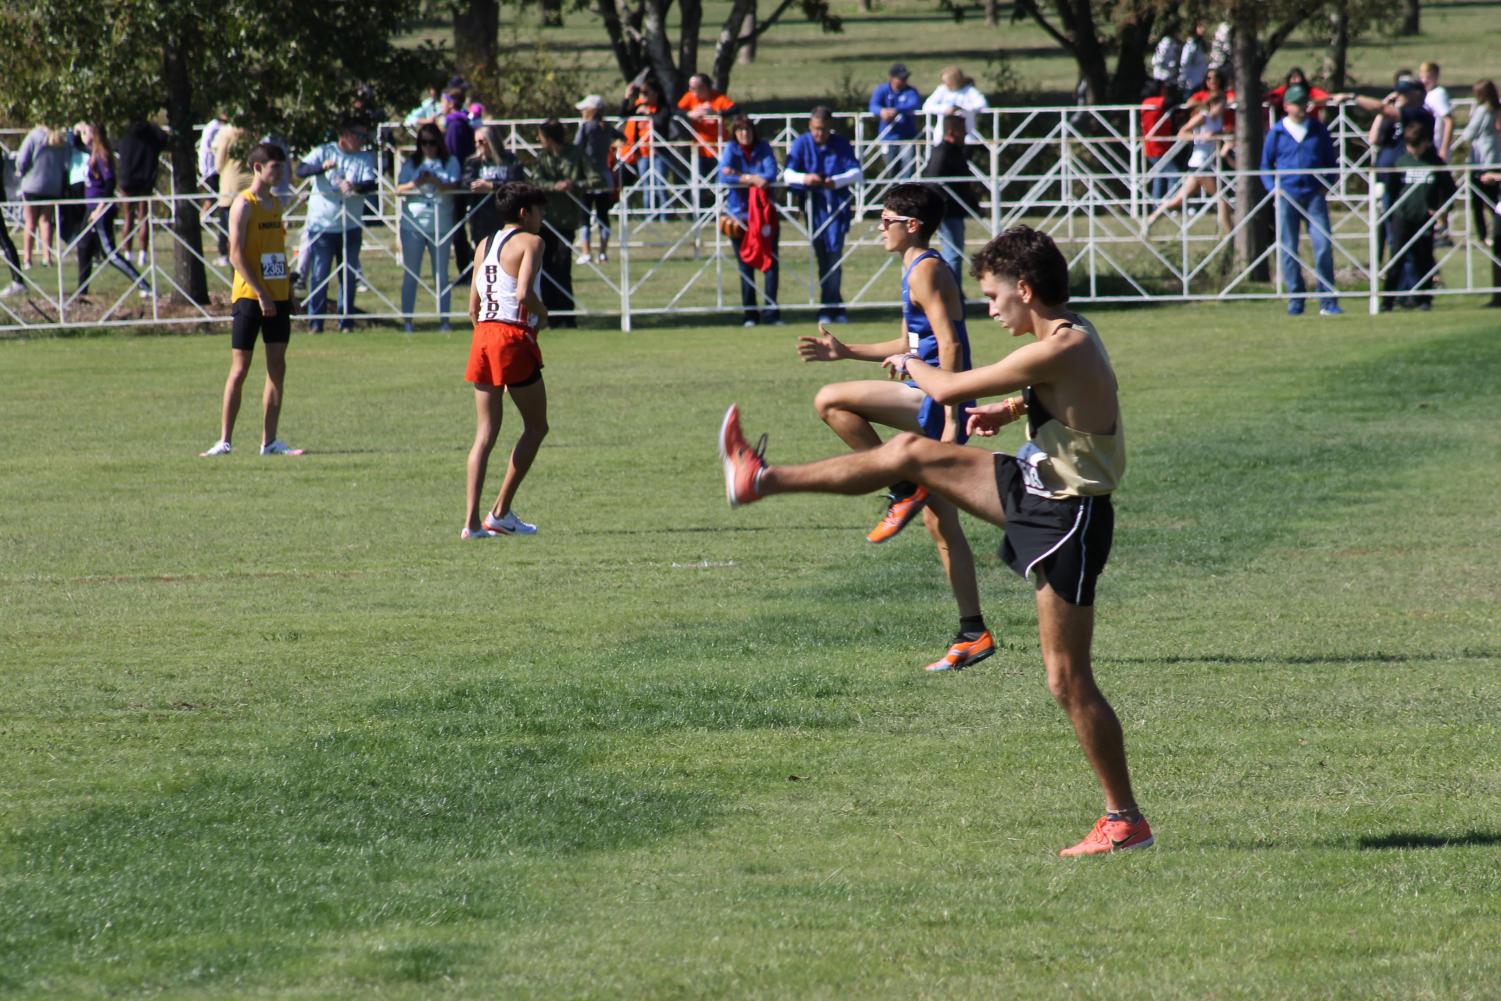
pixel 595 139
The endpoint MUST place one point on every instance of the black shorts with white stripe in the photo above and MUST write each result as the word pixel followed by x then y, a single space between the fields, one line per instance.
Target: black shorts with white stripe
pixel 1068 540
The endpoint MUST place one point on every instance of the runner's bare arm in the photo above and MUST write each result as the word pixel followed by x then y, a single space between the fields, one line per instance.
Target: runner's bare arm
pixel 479 255
pixel 526 272
pixel 1034 364
pixel 239 229
pixel 827 347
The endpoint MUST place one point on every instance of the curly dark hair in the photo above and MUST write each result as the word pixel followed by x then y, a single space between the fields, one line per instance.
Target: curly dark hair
pixel 918 201
pixel 515 197
pixel 1023 254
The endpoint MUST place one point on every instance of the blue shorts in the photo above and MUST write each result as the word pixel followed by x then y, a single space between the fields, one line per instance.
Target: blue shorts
pixel 930 417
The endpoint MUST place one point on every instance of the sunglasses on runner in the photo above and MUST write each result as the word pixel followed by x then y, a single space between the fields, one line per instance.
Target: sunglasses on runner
pixel 887 220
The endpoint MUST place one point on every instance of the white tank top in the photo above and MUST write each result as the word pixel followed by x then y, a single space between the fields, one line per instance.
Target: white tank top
pixel 498 301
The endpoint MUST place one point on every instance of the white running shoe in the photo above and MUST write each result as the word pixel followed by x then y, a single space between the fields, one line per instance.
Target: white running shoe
pixel 584 259
pixel 603 257
pixel 220 448
pixel 220 261
pixel 469 534
pixel 14 288
pixel 509 525
pixel 279 447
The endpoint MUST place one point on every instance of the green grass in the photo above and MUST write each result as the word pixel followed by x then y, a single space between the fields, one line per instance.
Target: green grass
pixel 268 729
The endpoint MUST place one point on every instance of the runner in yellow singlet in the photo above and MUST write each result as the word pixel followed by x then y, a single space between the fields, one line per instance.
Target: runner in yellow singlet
pixel 261 301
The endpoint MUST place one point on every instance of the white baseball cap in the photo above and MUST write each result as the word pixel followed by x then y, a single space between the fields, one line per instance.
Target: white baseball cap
pixel 592 101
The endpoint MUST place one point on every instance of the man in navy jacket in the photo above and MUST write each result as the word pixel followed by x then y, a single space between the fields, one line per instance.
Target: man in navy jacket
pixel 895 104
pixel 821 169
pixel 1300 142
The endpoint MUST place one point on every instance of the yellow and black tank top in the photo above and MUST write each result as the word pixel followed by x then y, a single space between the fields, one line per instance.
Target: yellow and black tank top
pixel 1067 462
pixel 265 248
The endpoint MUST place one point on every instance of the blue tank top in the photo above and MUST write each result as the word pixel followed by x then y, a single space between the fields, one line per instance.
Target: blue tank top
pixel 920 336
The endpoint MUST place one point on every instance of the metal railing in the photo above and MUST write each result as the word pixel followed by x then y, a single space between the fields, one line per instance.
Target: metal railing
pixel 1078 173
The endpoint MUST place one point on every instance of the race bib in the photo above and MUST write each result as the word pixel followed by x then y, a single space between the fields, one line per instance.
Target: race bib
pixel 1028 458
pixel 273 265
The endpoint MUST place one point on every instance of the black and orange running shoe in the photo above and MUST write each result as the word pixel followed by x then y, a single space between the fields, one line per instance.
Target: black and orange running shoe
pixel 1112 834
pixel 899 511
pixel 743 465
pixel 964 652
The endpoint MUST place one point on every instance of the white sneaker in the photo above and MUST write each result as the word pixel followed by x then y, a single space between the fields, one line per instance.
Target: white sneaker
pixel 220 448
pixel 468 534
pixel 584 259
pixel 14 288
pixel 603 257
pixel 220 261
pixel 279 447
pixel 509 525
pixel 140 258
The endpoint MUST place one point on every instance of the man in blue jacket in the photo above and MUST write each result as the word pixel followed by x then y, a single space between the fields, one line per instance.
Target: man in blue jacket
pixel 895 104
pixel 1300 142
pixel 821 168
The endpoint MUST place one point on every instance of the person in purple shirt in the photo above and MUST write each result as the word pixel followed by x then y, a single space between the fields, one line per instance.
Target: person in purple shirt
pixel 99 189
pixel 458 136
pixel 896 104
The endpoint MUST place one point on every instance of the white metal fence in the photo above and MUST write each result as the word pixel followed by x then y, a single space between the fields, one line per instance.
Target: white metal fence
pixel 1078 173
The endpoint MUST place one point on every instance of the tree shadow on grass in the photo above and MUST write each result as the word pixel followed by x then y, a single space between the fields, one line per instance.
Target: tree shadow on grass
pixel 1411 839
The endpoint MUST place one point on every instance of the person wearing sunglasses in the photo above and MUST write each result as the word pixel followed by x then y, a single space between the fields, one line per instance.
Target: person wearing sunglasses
pixel 425 186
pixel 933 326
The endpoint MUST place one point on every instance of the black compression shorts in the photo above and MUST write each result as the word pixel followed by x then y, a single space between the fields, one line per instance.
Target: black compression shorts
pixel 246 322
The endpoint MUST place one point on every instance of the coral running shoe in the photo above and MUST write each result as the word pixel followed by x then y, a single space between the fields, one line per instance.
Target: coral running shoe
pixel 1112 835
pixel 899 511
pixel 743 465
pixel 964 652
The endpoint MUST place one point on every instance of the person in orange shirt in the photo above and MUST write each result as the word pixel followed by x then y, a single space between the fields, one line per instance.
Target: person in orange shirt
pixel 707 110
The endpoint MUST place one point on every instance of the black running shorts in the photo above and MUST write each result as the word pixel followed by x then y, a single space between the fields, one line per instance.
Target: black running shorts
pixel 246 322
pixel 1068 540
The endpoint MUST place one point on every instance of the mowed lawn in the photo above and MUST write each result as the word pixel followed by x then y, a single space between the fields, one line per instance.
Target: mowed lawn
pixel 267 728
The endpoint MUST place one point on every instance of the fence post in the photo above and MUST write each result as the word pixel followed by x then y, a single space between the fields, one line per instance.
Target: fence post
pixel 1373 246
pixel 624 252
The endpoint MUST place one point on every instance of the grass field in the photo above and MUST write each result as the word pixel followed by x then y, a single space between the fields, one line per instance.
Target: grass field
pixel 269 729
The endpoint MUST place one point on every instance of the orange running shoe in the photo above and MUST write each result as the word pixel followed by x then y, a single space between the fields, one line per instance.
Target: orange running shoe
pixel 962 653
pixel 1109 835
pixel 743 465
pixel 900 511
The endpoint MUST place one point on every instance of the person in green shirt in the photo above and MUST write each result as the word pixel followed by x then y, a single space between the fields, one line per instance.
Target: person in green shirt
pixel 1425 188
pixel 567 175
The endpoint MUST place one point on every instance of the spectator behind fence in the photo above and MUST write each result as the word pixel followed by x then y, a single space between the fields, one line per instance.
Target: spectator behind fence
pixel 425 185
pixel 72 217
pixel 1481 137
pixel 707 110
pixel 208 174
pixel 1206 130
pixel 343 173
pixel 139 152
pixel 491 166
pixel 648 117
pixel 42 165
pixel 822 168
pixel 1221 50
pixel 1158 135
pixel 1193 61
pixel 1436 100
pixel 429 112
pixel 99 238
pixel 1165 59
pixel 1299 141
pixel 234 177
pixel 747 169
pixel 1317 96
pixel 956 95
pixel 567 176
pixel 895 104
pixel 1215 83
pixel 458 135
pixel 1424 188
pixel 14 283
pixel 948 162
pixel 597 139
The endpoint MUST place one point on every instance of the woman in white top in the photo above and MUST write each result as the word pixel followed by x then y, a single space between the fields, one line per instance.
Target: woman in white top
pixel 426 184
pixel 505 304
pixel 1481 137
pixel 1206 129
pixel 956 95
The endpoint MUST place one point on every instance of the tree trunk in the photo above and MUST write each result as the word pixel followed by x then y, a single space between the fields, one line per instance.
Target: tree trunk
pixel 552 13
pixel 865 7
pixel 690 20
pixel 1412 15
pixel 476 27
pixel 1337 57
pixel 747 39
pixel 992 13
pixel 659 52
pixel 1090 53
pixel 1134 50
pixel 731 38
pixel 1252 239
pixel 628 56
pixel 187 248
